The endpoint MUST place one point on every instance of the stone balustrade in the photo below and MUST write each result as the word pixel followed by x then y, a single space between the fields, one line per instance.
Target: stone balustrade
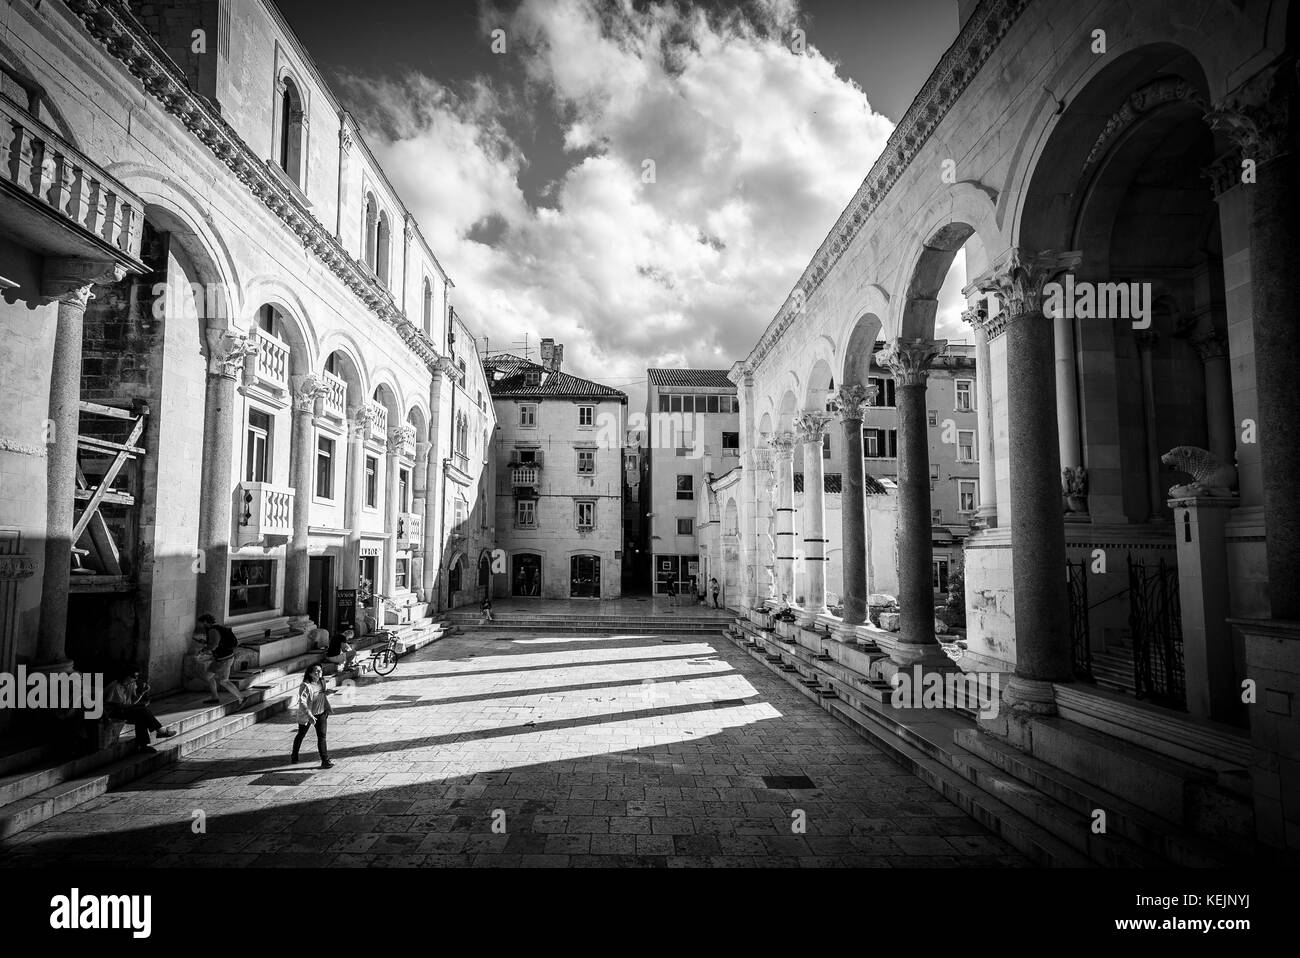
pixel 264 509
pixel 271 362
pixel 336 396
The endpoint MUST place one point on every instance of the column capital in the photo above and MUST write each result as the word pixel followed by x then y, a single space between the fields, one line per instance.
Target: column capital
pixel 360 422
pixel 68 279
pixel 1256 117
pixel 909 359
pixel 977 317
pixel 345 139
pixel 852 402
pixel 811 425
pixel 1211 345
pixel 400 437
pixel 307 390
pixel 1019 277
pixel 227 351
pixel 762 458
pixel 783 444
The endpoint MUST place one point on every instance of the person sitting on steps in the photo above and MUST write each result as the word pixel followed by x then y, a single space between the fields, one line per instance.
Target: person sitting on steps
pixel 341 651
pixel 126 700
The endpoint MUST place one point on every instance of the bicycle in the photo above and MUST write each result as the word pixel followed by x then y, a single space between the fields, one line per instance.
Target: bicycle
pixel 380 660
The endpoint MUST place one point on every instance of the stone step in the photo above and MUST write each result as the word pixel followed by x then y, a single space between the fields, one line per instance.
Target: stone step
pixel 1080 798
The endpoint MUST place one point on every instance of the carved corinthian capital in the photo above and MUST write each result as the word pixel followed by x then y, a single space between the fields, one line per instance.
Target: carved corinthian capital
pixel 400 438
pixel 227 351
pixel 306 390
pixel 1018 280
pixel 811 425
pixel 783 444
pixel 363 417
pixel 852 402
pixel 1257 116
pixel 909 359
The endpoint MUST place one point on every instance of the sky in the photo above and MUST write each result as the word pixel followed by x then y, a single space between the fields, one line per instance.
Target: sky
pixel 640 180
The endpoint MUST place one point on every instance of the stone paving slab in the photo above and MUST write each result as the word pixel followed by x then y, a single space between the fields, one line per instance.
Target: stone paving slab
pixel 622 751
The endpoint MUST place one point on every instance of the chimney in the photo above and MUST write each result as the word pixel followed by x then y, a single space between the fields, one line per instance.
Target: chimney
pixel 552 355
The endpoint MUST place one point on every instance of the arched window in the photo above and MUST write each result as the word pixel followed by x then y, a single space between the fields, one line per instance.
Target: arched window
pixel 428 307
pixel 372 218
pixel 462 433
pixel 453 576
pixel 381 248
pixel 290 153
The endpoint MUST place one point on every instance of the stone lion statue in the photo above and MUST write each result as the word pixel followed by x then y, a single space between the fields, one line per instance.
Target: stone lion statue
pixel 1210 475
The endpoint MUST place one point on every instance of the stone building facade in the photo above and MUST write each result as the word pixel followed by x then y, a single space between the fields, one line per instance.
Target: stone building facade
pixel 559 479
pixel 228 351
pixel 1147 164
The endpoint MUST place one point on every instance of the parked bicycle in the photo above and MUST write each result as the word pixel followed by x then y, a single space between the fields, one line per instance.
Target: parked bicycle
pixel 380 659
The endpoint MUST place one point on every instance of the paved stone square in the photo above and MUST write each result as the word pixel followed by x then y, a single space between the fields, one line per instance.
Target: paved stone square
pixel 599 750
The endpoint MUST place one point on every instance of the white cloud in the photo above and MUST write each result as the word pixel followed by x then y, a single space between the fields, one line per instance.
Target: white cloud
pixel 756 150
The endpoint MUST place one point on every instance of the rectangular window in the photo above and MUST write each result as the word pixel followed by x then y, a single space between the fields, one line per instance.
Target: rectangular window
pixel 663 402
pixel 731 440
pixel 526 513
pixel 586 462
pixel 885 395
pixel 932 416
pixel 526 456
pixel 688 404
pixel 675 403
pixel 252 586
pixel 967 490
pixel 713 403
pixel 404 490
pixel 324 467
pixel 730 404
pixel 586 417
pixel 965 390
pixel 685 443
pixel 879 443
pixel 460 512
pixel 258 449
pixel 528 415
pixel 401 574
pixel 372 482
pixel 686 527
pixel 586 515
pixel 936 516
pixel 826 446
pixel 685 487
pixel 965 445
pixel 939 569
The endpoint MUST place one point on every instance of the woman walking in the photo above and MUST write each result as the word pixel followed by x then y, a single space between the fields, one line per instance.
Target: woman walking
pixel 313 710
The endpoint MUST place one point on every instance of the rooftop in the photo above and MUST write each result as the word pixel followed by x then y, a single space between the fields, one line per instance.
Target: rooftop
pixel 693 378
pixel 508 378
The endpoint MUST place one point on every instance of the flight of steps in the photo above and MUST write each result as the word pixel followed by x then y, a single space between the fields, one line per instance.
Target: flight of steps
pixel 1113 668
pixel 1044 812
pixel 682 622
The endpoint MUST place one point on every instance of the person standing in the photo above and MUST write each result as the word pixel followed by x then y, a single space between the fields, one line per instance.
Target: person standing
pixel 126 700
pixel 672 592
pixel 313 711
pixel 714 588
pixel 222 643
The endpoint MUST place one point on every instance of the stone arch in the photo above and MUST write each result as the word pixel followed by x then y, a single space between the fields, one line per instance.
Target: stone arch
pixel 304 348
pixel 384 379
pixel 291 128
pixel 349 365
pixel 789 408
pixel 820 382
pixel 46 108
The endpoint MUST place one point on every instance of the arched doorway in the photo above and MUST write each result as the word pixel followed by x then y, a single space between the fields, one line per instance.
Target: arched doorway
pixel 526 575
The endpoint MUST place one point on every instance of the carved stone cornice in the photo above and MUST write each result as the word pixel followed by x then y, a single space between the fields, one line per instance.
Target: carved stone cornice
pixel 307 391
pixel 1018 279
pixel 979 37
pixel 114 25
pixel 1257 116
pixel 14 567
pixel 1170 89
pixel 810 425
pixel 399 437
pixel 1211 345
pixel 852 402
pixel 783 444
pixel 909 360
pixel 227 352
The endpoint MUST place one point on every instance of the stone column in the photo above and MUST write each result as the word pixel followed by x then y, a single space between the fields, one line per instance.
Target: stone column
pixel 358 429
pixel 1037 529
pixel 1259 121
pixel 1222 436
pixel 763 530
pixel 227 352
pixel 850 402
pixel 434 483
pixel 783 447
pixel 986 514
pixel 67 282
pixel 308 398
pixel 396 437
pixel 811 427
pixel 419 503
pixel 909 361
pixel 1074 479
pixel 1146 343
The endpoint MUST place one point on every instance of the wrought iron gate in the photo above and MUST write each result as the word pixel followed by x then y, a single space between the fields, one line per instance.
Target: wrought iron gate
pixel 1155 617
pixel 1076 577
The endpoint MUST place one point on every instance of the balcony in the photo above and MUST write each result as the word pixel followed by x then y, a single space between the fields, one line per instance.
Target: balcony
pixel 264 509
pixel 525 476
pixel 410 530
pixel 271 362
pixel 460 461
pixel 378 421
pixel 336 396
pixel 56 201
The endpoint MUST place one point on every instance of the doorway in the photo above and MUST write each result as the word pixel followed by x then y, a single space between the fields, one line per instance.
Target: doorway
pixel 526 577
pixel 584 577
pixel 320 582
